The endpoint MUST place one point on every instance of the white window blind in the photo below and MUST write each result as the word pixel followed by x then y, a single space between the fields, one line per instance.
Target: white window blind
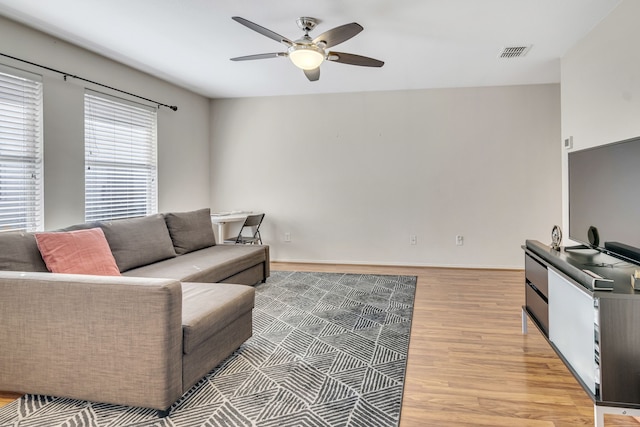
pixel 21 178
pixel 120 158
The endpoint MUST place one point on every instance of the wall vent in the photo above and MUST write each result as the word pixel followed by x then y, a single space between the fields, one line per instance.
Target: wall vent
pixel 514 51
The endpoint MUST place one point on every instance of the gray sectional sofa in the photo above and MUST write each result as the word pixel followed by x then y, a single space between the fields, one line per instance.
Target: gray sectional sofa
pixel 139 339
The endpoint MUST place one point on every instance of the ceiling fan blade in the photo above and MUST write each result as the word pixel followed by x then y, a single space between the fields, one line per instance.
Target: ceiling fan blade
pixel 313 75
pixel 338 35
pixel 351 59
pixel 259 56
pixel 264 31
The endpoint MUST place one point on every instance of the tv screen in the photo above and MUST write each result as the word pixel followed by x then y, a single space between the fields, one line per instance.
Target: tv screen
pixel 604 195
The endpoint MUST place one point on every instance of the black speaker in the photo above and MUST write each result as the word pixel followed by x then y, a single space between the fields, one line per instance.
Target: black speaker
pixel 594 237
pixel 624 250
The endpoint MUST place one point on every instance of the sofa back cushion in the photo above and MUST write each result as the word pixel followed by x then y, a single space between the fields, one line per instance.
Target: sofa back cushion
pixel 19 252
pixel 140 241
pixel 190 231
pixel 81 226
pixel 77 252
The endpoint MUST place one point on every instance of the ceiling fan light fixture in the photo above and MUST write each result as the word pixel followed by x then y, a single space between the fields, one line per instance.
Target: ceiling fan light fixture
pixel 306 56
pixel 307 53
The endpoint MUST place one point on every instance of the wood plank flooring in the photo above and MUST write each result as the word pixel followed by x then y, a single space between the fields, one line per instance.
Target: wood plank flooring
pixel 469 364
pixel 7 397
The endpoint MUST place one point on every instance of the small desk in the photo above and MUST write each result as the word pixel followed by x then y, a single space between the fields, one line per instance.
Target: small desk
pixel 222 219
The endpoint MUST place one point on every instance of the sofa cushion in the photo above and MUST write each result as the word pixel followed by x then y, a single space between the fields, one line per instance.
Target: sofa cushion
pixel 19 252
pixel 190 231
pixel 77 252
pixel 209 265
pixel 209 307
pixel 81 226
pixel 138 241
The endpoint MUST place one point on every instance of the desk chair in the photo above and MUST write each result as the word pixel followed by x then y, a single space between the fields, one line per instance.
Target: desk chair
pixel 252 223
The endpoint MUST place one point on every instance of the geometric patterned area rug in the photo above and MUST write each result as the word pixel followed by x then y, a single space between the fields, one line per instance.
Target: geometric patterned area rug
pixel 328 349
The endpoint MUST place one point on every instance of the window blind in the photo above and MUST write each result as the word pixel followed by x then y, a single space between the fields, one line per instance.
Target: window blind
pixel 21 180
pixel 120 158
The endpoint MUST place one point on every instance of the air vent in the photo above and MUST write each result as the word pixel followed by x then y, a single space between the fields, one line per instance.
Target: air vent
pixel 514 51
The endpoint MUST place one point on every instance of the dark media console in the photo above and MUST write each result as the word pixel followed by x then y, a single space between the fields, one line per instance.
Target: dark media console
pixel 583 302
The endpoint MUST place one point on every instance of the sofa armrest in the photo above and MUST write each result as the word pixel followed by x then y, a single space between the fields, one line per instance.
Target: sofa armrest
pixel 106 339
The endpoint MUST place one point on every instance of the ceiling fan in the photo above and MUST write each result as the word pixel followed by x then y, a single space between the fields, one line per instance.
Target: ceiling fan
pixel 307 53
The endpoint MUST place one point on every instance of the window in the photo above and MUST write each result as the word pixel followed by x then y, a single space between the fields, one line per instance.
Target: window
pixel 21 179
pixel 120 158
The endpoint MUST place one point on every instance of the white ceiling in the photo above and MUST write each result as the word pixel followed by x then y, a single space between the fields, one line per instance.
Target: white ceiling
pixel 424 43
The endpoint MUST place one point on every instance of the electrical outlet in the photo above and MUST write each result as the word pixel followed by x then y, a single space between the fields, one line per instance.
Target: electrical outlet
pixel 459 240
pixel 413 239
pixel 287 237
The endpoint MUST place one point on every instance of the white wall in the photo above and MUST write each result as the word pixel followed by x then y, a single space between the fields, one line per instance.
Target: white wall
pixel 352 176
pixel 183 136
pixel 601 86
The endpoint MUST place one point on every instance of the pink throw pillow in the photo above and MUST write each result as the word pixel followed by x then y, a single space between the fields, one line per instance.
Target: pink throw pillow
pixel 77 252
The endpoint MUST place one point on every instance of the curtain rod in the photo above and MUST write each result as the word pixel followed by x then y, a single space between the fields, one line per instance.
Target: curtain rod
pixel 159 104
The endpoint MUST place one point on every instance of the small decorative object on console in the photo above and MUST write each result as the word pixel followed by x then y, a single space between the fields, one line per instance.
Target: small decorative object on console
pixel 593 236
pixel 635 280
pixel 556 237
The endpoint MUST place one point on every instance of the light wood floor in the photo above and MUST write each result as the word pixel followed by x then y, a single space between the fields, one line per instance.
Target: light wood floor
pixel 469 364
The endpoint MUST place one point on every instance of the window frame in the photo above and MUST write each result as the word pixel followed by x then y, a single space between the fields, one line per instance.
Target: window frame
pixel 21 150
pixel 120 140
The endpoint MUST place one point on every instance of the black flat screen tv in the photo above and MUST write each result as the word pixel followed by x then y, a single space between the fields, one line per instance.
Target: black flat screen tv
pixel 604 198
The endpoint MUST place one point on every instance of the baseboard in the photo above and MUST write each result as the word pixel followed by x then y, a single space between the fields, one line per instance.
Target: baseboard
pixel 398 264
